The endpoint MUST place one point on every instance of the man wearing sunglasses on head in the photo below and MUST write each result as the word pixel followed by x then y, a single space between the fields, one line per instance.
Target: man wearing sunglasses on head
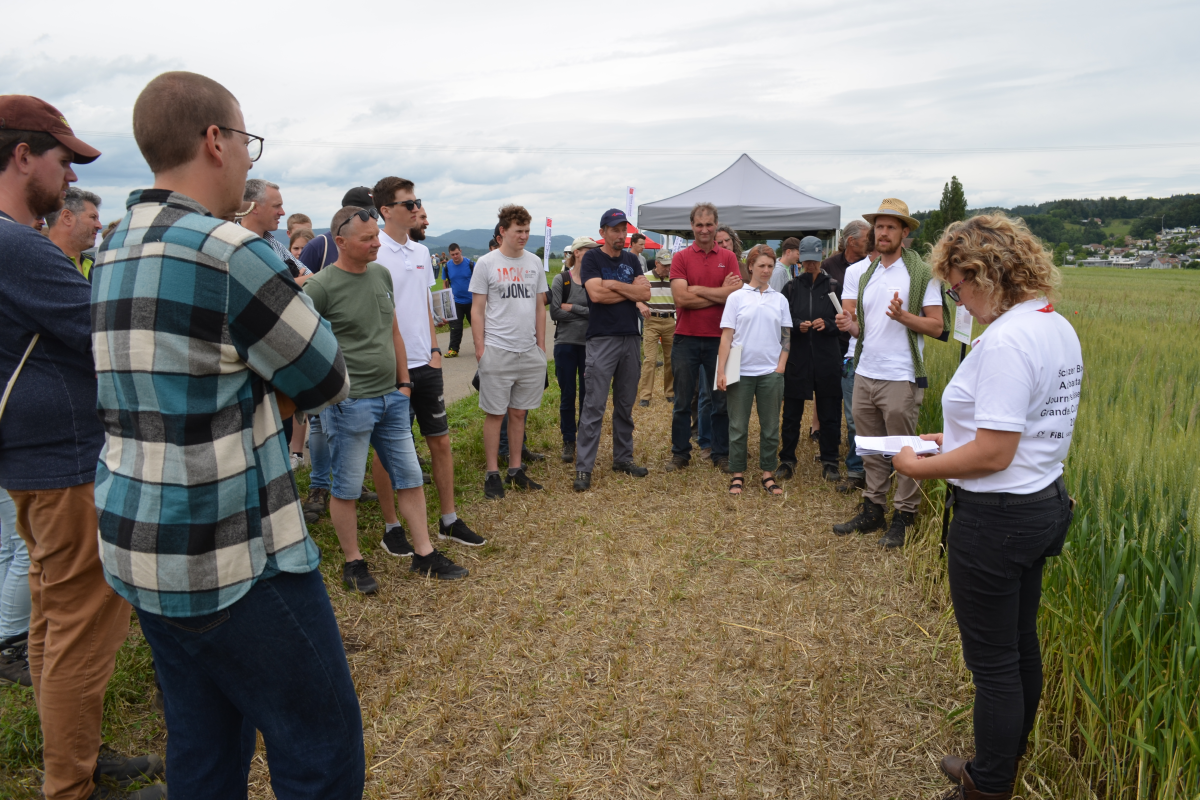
pixel 322 251
pixel 356 295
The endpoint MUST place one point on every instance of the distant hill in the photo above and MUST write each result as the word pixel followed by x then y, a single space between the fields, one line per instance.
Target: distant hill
pixel 475 241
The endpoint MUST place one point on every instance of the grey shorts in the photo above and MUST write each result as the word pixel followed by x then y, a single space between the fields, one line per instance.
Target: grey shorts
pixel 511 380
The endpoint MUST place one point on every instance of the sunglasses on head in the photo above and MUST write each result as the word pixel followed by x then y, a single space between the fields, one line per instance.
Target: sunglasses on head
pixel 411 205
pixel 363 213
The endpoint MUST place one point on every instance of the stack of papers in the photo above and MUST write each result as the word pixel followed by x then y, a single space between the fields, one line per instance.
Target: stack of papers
pixel 891 445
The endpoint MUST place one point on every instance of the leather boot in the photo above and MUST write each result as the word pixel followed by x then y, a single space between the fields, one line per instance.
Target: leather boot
pixel 955 768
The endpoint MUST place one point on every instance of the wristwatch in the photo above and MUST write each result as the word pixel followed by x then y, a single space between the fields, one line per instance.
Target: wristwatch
pixel 404 385
pixel 433 350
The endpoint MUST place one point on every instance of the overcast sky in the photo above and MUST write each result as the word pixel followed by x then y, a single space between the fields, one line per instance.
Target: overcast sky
pixel 561 106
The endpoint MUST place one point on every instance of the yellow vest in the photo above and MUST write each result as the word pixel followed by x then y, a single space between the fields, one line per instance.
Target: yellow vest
pixel 84 265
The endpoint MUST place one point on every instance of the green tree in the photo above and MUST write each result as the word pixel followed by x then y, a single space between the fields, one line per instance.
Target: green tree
pixel 952 208
pixel 1059 252
pixel 541 251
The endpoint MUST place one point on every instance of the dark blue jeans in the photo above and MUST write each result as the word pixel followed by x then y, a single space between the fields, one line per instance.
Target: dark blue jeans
pixel 688 354
pixel 569 362
pixel 272 661
pixel 996 555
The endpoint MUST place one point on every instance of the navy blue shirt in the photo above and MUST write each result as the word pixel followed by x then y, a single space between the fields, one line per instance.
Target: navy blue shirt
pixel 320 252
pixel 611 319
pixel 50 435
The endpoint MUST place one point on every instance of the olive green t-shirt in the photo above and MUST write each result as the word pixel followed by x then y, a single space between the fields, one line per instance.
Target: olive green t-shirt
pixel 361 311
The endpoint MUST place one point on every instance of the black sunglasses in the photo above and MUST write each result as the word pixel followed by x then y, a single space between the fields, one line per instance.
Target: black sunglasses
pixel 363 213
pixel 411 205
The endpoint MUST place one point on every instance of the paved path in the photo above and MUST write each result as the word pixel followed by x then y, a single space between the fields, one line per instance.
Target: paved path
pixel 458 372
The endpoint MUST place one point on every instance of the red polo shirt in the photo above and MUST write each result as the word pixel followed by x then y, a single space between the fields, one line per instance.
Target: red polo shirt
pixel 699 268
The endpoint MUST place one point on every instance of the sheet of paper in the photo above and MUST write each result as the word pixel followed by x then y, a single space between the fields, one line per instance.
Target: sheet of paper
pixel 837 304
pixel 962 325
pixel 733 366
pixel 443 305
pixel 891 445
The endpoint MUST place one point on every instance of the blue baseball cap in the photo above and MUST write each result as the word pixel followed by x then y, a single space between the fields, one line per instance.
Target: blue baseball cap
pixel 612 218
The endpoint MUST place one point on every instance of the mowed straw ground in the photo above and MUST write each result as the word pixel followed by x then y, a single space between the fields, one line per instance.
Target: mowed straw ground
pixel 651 638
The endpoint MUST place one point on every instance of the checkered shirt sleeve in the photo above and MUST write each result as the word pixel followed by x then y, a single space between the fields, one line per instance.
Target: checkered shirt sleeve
pixel 195 323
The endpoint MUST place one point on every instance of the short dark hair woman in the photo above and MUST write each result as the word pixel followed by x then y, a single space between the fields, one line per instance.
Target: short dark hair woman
pixel 1009 414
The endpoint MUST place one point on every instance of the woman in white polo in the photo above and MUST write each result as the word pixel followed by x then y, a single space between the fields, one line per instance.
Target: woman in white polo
pixel 1009 415
pixel 758 319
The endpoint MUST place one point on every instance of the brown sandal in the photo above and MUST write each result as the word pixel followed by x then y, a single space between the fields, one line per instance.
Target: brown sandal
pixel 738 483
pixel 770 486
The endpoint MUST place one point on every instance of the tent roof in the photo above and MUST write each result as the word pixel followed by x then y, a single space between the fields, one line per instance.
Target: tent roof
pixel 751 199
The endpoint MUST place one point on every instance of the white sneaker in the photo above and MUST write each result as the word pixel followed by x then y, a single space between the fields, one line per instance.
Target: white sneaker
pixel 297 462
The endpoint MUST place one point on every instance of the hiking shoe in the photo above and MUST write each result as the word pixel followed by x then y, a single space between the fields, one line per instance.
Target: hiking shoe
pixel 113 767
pixel 722 464
pixel 901 522
pixel 644 403
pixel 851 483
pixel 630 468
pixel 357 577
pixel 14 663
pixel 831 473
pixel 459 532
pixel 528 456
pixel 670 398
pixel 436 565
pixel 105 791
pixel 367 495
pixel 786 470
pixel 706 454
pixel 521 481
pixel 451 353
pixel 493 489
pixel 568 454
pixel 870 518
pixel 678 463
pixel 316 504
pixel 395 543
pixel 583 481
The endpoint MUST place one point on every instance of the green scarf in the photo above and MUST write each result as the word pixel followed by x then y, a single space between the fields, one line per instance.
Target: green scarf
pixel 919 275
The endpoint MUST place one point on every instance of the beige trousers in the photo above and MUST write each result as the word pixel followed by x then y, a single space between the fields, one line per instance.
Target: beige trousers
pixel 653 329
pixel 76 627
pixel 887 408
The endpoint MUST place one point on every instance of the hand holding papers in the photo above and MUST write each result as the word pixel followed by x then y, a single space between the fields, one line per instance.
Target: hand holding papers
pixel 889 446
pixel 733 368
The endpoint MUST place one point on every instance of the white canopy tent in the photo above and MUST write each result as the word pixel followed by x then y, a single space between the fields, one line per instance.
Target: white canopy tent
pixel 752 200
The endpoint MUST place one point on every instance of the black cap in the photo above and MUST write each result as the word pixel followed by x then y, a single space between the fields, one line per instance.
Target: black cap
pixel 359 196
pixel 612 218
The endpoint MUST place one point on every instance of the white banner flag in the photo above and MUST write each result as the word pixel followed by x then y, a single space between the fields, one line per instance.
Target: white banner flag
pixel 677 243
pixel 629 192
pixel 546 248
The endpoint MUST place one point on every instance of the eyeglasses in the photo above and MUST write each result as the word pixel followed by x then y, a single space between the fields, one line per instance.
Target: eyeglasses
pixel 254 145
pixel 952 292
pixel 363 213
pixel 411 205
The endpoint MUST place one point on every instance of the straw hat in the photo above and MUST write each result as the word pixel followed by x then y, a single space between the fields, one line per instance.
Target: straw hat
pixel 892 207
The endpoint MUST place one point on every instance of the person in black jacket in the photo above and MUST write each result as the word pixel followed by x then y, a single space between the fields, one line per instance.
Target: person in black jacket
pixel 815 365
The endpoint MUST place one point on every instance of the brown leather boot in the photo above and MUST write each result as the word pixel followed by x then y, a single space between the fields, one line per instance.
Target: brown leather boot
pixel 955 768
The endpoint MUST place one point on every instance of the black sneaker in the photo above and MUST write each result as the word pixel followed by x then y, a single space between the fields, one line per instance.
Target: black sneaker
pixel 630 468
pixel 112 767
pixel 851 483
pixel 367 495
pixel 831 473
pixel 521 481
pixel 870 518
pixel 395 543
pixel 356 576
pixel 568 453
pixel 528 456
pixel 493 489
pixel 459 532
pixel 814 435
pixel 436 565
pixel 316 504
pixel 644 403
pixel 583 481
pixel 105 791
pixel 14 663
pixel 901 522
pixel 786 470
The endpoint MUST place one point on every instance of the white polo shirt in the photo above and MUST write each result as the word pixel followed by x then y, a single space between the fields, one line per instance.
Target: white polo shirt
pixel 412 275
pixel 885 354
pixel 854 273
pixel 757 318
pixel 1023 374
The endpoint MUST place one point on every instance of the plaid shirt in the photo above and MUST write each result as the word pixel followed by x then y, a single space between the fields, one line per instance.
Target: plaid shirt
pixel 191 317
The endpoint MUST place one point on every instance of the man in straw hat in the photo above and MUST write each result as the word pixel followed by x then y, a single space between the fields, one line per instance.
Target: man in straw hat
pixel 50 442
pixel 890 376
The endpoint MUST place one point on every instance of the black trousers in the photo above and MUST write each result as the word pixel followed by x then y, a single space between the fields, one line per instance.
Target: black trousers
pixel 995 561
pixel 829 414
pixel 456 325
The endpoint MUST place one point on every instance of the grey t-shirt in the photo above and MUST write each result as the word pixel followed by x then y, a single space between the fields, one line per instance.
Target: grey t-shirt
pixel 780 277
pixel 512 286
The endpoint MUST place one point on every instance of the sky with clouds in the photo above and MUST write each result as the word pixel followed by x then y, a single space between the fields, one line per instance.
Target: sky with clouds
pixel 561 106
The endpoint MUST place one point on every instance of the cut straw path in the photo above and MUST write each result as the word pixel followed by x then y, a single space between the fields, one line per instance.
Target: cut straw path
pixel 653 638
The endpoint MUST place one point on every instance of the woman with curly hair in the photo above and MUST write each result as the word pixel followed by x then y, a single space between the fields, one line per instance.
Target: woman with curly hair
pixel 1009 414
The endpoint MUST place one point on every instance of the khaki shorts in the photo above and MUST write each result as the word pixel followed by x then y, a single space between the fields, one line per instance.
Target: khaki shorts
pixel 511 380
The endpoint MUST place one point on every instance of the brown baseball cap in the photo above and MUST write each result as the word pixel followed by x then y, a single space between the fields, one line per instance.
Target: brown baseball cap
pixel 20 112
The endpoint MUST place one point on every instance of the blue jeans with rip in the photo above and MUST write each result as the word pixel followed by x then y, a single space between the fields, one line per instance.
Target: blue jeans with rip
pixel 272 661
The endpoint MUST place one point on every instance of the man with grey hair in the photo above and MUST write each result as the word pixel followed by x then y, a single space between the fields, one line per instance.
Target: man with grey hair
pixel 263 217
pixel 74 227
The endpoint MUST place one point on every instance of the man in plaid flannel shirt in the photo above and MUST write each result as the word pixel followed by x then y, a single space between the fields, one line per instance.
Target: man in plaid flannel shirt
pixel 196 325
